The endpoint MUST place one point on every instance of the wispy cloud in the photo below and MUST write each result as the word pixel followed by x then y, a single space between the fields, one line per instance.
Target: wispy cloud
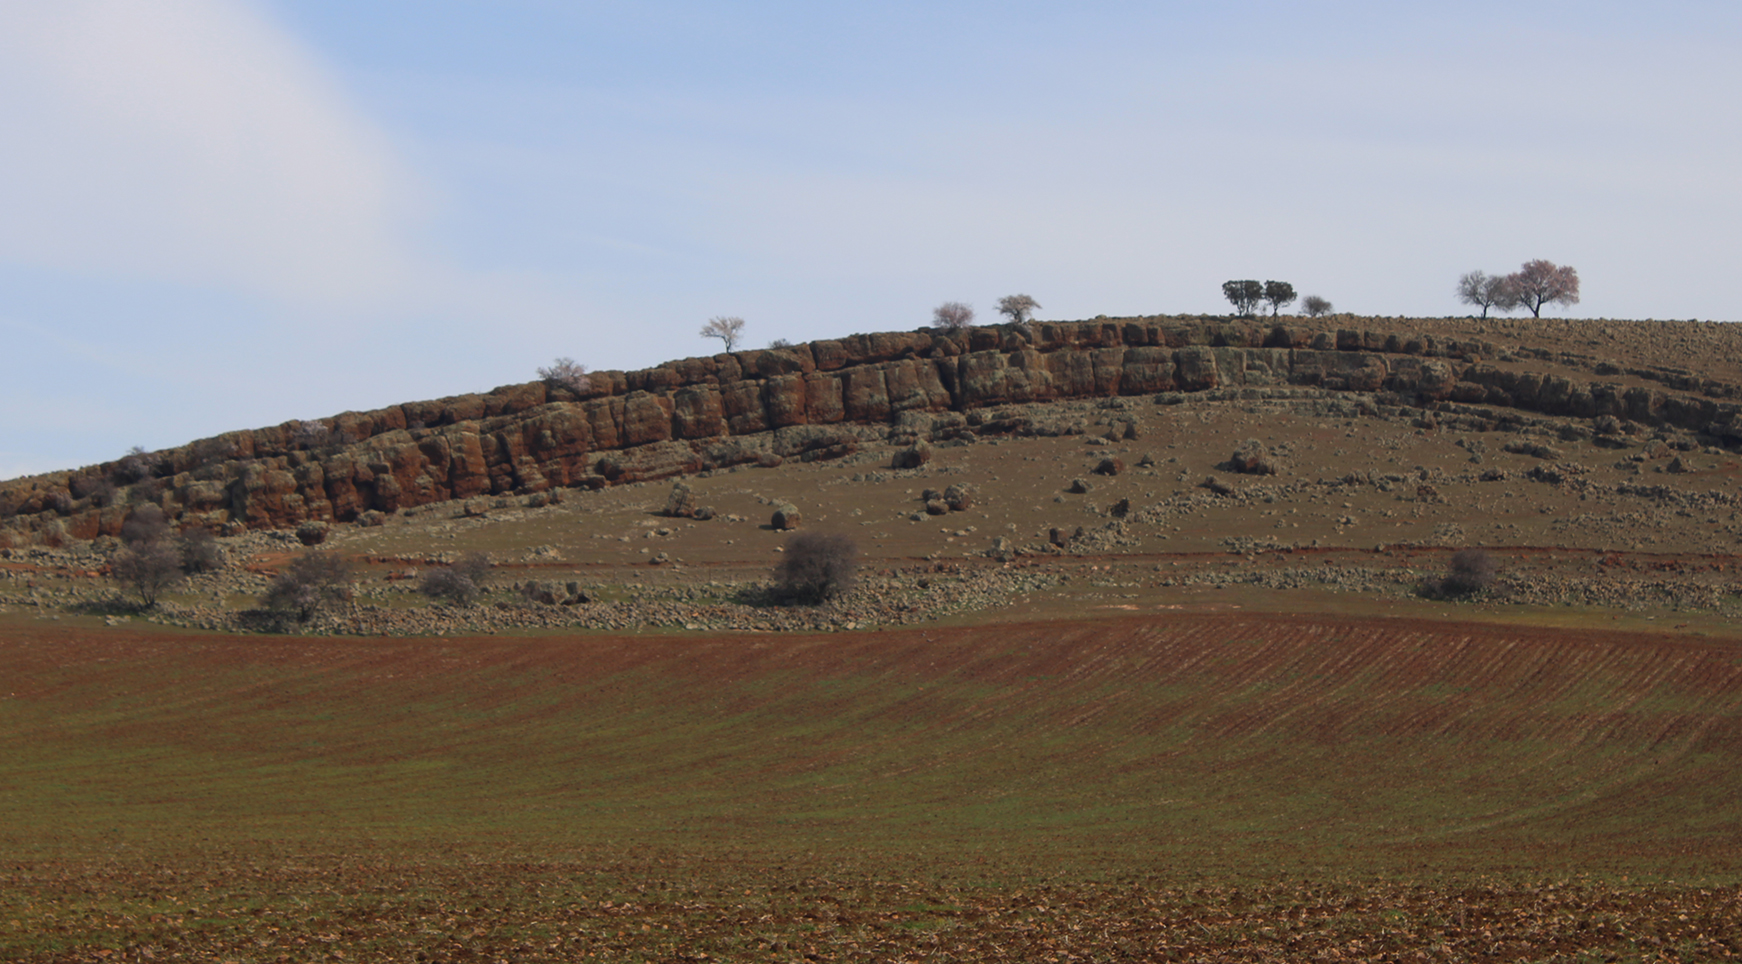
pixel 190 141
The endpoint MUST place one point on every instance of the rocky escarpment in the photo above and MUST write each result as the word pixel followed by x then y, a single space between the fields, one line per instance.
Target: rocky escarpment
pixel 812 401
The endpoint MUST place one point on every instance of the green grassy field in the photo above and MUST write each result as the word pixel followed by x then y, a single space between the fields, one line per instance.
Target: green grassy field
pixel 1122 760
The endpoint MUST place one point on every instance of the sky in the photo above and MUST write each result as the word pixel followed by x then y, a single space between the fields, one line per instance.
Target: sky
pixel 224 214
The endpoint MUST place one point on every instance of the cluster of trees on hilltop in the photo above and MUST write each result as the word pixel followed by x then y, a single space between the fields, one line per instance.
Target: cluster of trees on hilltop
pixel 1536 284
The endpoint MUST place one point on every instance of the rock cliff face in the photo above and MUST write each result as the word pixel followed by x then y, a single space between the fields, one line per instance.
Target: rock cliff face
pixel 812 401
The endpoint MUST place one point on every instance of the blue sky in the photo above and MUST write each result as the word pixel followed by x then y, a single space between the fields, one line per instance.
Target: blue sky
pixel 219 214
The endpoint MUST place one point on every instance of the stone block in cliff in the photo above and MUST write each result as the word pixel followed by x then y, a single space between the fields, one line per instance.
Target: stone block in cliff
pixel 812 443
pixel 1642 405
pixel 1265 366
pixel 742 403
pixel 1195 369
pixel 720 453
pixel 776 361
pixel 697 371
pixel 261 497
pixel 462 408
pixel 604 421
pixel 660 460
pixel 892 345
pixel 662 378
pixel 514 399
pixel 559 441
pixel 783 397
pixel 340 480
pixel 1073 373
pixel 646 418
pixel 829 355
pixel 1139 335
pixel 421 414
pixel 203 495
pixel 1431 380
pixel 468 474
pixel 823 399
pixel 1147 371
pixel 912 385
pixel 993 378
pixel 1338 371
pixel 865 395
pixel 697 412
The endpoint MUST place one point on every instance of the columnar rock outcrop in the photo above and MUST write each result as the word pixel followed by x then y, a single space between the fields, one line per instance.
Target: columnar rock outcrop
pixel 809 401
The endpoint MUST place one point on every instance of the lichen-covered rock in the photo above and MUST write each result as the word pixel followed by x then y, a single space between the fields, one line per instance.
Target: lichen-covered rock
pixel 912 457
pixel 680 504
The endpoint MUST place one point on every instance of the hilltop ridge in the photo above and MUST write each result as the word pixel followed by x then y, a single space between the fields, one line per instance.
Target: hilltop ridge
pixel 827 398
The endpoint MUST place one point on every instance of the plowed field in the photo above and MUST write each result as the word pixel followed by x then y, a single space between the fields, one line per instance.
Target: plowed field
pixel 1181 732
pixel 944 775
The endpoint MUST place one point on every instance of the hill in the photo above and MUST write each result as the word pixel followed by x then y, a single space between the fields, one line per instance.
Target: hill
pixel 1594 460
pixel 1143 663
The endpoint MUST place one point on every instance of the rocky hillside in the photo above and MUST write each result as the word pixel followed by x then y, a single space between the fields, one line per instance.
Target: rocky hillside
pixel 823 399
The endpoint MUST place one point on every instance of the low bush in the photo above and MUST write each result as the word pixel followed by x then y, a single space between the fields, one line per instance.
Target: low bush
pixel 145 525
pixel 312 582
pixel 200 551
pixel 816 567
pixel 1471 571
pixel 460 583
pixel 147 569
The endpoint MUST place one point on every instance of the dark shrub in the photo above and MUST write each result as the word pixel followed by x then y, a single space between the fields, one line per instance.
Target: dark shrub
pixel 200 551
pixel 816 567
pixel 1470 571
pixel 459 583
pixel 311 533
pixel 312 582
pixel 135 465
pixel 146 525
pixel 97 488
pixel 147 569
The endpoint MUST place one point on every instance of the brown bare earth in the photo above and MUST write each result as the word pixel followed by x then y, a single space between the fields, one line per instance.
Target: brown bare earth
pixel 1170 710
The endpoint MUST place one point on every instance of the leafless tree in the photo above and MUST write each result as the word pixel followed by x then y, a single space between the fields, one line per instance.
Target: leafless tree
pixel 1314 306
pixel 312 581
pixel 1018 308
pixel 1487 291
pixel 148 569
pixel 952 315
pixel 1279 294
pixel 1243 295
pixel 1543 282
pixel 727 329
pixel 567 373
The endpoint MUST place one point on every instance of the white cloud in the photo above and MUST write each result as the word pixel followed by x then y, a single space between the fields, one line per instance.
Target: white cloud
pixel 190 141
